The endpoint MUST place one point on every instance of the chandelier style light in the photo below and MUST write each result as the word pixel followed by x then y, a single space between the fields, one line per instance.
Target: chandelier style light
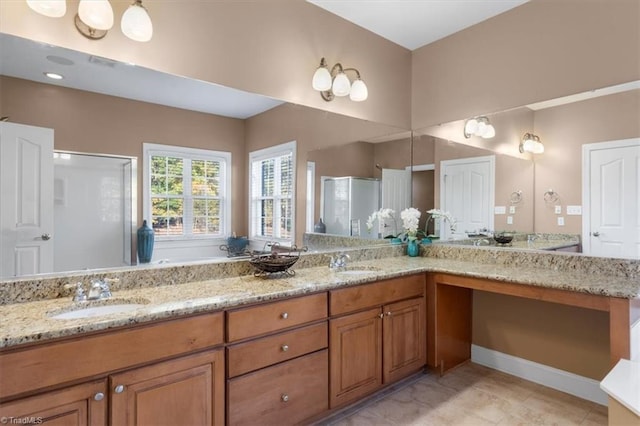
pixel 95 17
pixel 336 83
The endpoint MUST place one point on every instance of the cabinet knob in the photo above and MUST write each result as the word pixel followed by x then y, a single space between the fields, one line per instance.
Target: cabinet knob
pixel 389 313
pixel 284 348
pixel 380 315
pixel 99 396
pixel 284 315
pixel 284 397
pixel 119 389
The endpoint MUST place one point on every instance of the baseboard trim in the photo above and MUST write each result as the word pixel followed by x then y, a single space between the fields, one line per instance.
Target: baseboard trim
pixel 582 387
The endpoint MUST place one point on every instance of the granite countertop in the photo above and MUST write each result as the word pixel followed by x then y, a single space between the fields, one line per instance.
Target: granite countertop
pixel 22 323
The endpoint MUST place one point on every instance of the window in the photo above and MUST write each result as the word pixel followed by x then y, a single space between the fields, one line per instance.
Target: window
pixel 272 198
pixel 186 192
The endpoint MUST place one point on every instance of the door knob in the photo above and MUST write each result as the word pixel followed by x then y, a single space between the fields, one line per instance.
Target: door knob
pixel 46 237
pixel 595 234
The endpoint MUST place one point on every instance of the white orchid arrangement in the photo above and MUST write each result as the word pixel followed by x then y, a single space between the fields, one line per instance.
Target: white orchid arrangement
pixel 409 216
pixel 439 214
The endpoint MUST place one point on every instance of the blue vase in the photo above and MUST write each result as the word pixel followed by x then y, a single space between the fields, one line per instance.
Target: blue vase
pixel 413 249
pixel 145 243
pixel 396 241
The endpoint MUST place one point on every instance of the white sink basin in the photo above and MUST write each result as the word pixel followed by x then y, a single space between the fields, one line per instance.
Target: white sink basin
pixel 96 311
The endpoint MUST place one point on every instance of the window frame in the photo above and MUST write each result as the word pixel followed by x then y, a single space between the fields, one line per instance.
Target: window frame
pixel 265 154
pixel 224 157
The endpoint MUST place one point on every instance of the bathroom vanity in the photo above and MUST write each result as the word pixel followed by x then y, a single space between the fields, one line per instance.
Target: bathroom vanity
pixel 244 349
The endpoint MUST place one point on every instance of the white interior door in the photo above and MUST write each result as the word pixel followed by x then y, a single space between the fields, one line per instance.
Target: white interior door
pixel 611 225
pixel 467 192
pixel 396 189
pixel 26 211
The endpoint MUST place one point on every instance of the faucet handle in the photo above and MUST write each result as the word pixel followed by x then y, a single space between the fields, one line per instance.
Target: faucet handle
pixel 80 295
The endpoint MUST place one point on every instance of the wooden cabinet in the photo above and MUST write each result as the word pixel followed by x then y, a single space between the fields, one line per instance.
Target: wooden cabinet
pixel 378 345
pixel 84 404
pixel 186 389
pixel 278 366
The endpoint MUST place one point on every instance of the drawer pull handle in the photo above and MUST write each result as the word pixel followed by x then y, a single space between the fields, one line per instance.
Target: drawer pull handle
pixel 284 315
pixel 284 348
pixel 284 397
pixel 99 396
pixel 119 389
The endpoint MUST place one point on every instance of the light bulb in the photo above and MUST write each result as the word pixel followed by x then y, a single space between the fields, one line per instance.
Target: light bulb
pixel 359 91
pixel 341 85
pixel 136 23
pixel 538 147
pixel 489 132
pixel 482 128
pixel 470 127
pixel 96 14
pixel 50 8
pixel 321 79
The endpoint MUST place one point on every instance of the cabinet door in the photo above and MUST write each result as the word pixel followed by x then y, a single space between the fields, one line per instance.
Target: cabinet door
pixel 404 331
pixel 184 391
pixel 355 344
pixel 84 404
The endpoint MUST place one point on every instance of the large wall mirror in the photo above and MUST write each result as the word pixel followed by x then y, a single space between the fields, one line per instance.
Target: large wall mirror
pixel 363 149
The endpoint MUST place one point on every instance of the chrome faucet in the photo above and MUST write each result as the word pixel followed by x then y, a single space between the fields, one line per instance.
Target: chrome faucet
pixel 98 290
pixel 339 262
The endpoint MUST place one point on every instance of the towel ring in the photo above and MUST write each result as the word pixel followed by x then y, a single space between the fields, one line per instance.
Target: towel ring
pixel 551 197
pixel 515 197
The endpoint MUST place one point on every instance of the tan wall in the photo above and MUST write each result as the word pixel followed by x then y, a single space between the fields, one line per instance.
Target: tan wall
pixel 565 337
pixel 563 130
pixel 538 51
pixel 94 123
pixel 269 47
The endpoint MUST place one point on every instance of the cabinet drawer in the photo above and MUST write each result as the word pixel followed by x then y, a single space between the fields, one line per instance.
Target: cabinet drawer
pixel 49 364
pixel 368 295
pixel 256 354
pixel 286 393
pixel 257 320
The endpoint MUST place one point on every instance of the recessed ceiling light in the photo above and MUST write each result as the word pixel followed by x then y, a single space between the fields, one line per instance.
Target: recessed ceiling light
pixel 53 75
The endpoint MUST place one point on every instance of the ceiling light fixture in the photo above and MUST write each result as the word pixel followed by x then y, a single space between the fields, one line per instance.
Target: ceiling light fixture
pixel 531 143
pixel 95 17
pixel 479 126
pixel 336 83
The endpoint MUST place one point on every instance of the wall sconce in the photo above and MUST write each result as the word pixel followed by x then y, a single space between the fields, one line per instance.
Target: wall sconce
pixel 336 83
pixel 95 17
pixel 479 126
pixel 531 143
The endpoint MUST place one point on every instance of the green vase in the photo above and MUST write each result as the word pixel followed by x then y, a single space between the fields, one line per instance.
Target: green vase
pixel 145 243
pixel 413 248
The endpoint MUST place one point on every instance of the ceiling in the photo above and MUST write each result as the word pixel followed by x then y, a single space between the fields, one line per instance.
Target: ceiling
pixel 409 23
pixel 415 23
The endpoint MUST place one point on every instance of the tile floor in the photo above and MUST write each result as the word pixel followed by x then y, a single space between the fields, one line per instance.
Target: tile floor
pixel 471 395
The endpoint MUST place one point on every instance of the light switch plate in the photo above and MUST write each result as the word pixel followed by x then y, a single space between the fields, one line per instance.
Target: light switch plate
pixel 558 210
pixel 560 221
pixel 500 210
pixel 512 209
pixel 509 220
pixel 574 210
